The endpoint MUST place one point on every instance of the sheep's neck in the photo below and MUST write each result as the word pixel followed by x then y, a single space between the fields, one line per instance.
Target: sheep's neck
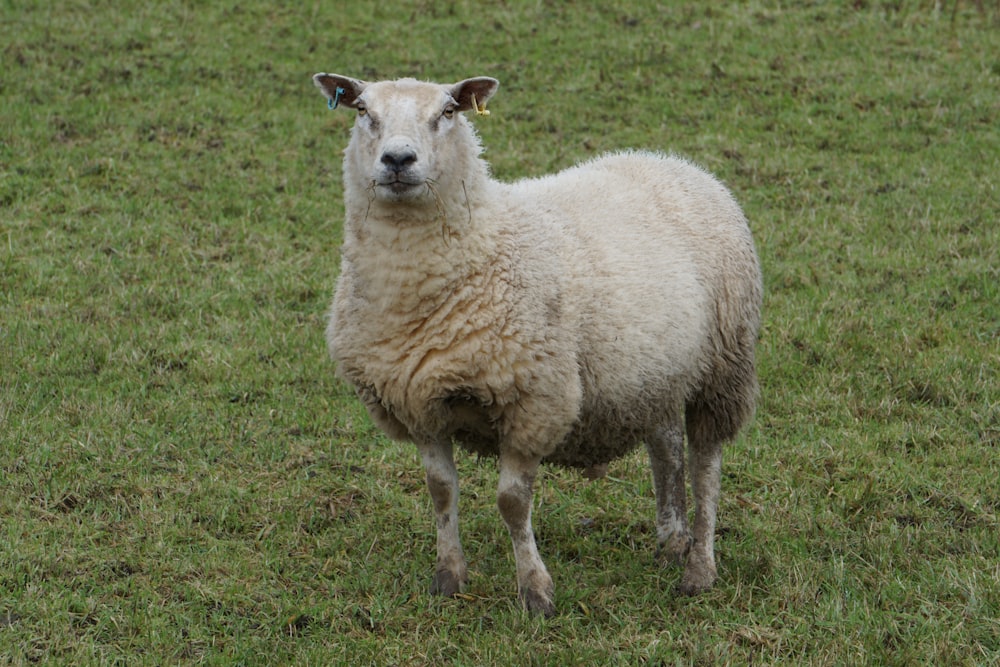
pixel 410 257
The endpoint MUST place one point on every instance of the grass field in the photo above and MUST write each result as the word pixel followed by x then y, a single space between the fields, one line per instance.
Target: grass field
pixel 185 482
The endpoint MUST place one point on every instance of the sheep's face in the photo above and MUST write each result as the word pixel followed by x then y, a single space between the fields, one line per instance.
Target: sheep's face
pixel 401 138
pixel 409 137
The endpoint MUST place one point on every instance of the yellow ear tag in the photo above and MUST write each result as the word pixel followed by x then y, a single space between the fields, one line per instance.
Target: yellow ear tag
pixel 481 109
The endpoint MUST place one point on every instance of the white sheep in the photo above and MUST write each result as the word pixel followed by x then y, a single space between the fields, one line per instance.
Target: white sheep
pixel 562 319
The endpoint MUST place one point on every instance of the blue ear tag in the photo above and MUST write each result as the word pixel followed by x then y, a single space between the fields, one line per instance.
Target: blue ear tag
pixel 332 104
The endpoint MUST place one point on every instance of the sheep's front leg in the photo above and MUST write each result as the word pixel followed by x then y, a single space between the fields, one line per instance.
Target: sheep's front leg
pixel 442 482
pixel 666 458
pixel 514 493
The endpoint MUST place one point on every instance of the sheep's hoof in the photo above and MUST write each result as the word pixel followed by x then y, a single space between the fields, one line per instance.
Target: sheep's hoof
pixel 538 603
pixel 446 583
pixel 697 578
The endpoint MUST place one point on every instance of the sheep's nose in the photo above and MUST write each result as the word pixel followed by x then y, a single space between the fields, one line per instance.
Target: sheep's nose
pixel 399 159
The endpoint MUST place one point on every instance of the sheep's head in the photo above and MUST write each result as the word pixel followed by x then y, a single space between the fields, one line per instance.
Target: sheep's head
pixel 409 136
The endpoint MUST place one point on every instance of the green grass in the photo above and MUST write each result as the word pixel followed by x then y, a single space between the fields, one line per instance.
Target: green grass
pixel 184 481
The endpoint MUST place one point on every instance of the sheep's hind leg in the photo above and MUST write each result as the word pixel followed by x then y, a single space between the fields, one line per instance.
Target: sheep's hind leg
pixel 442 482
pixel 666 458
pixel 514 493
pixel 705 449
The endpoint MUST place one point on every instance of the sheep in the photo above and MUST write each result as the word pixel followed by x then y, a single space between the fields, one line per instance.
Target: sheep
pixel 563 319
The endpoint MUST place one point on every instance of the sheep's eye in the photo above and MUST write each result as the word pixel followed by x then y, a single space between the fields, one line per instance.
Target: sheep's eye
pixel 449 111
pixel 362 110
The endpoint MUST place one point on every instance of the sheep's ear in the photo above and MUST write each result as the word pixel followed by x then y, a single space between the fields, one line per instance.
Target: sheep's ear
pixel 481 87
pixel 339 90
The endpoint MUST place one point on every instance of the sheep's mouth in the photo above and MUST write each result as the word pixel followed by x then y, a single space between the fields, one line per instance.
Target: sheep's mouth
pixel 398 187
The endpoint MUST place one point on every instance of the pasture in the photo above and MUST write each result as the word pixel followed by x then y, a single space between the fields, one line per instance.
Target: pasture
pixel 184 481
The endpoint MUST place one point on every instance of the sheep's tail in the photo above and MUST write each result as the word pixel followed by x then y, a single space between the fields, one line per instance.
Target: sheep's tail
pixel 726 403
pixel 727 397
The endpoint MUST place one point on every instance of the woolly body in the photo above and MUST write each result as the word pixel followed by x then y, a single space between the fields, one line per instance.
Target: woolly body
pixel 567 318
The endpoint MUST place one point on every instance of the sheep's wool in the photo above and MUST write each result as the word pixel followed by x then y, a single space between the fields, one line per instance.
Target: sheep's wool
pixel 566 319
